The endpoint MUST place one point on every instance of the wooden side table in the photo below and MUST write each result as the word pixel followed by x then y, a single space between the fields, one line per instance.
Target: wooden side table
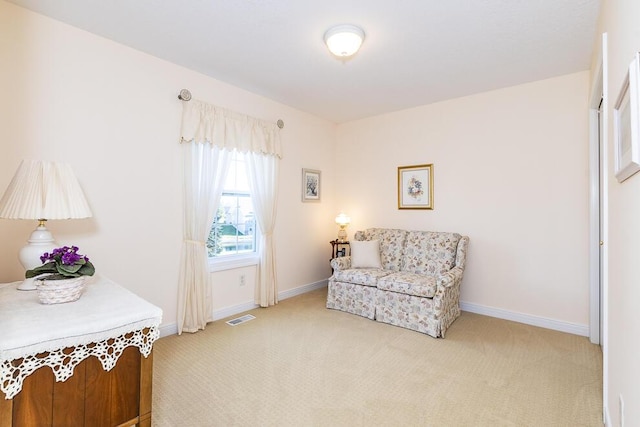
pixel 90 397
pixel 340 249
pixel 93 370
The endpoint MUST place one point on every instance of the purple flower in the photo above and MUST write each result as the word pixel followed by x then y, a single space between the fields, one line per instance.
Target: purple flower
pixel 65 255
pixel 61 263
pixel 70 258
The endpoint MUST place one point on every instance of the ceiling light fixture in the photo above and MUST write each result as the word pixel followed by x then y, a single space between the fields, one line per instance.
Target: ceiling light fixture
pixel 344 40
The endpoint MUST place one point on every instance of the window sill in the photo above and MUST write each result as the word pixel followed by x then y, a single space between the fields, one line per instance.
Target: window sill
pixel 231 263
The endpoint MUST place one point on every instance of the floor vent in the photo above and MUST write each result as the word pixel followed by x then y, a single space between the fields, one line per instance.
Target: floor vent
pixel 241 319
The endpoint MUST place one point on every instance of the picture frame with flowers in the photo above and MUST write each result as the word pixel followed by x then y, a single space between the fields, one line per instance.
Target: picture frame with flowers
pixel 415 187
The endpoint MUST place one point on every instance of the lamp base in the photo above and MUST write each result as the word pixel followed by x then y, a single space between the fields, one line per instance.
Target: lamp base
pixel 40 241
pixel 27 285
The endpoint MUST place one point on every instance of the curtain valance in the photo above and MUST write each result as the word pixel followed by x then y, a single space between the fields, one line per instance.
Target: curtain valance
pixel 226 129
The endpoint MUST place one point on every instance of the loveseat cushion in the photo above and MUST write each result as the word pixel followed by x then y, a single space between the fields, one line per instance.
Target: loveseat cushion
pixel 360 276
pixel 365 254
pixel 392 243
pixel 431 253
pixel 419 285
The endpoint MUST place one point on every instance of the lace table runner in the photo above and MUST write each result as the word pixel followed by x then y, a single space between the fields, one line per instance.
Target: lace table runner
pixel 102 323
pixel 64 361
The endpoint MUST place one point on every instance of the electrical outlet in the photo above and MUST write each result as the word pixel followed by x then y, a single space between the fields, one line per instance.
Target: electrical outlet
pixel 242 281
pixel 621 400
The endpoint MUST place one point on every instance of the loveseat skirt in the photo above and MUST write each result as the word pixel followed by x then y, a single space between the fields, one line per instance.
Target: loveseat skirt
pixel 352 298
pixel 413 312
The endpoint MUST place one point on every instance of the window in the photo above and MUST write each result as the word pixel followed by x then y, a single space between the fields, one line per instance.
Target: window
pixel 233 233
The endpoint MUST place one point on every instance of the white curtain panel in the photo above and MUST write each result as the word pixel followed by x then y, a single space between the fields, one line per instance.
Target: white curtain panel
pixel 209 135
pixel 205 167
pixel 263 180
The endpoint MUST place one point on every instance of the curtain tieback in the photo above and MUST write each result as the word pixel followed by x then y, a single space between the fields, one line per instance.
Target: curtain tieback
pixel 195 242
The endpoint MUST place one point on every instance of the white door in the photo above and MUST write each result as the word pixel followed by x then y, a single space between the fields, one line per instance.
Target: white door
pixel 597 214
pixel 600 222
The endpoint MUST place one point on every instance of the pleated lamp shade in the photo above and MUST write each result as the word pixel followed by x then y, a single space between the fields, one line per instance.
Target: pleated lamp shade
pixel 44 190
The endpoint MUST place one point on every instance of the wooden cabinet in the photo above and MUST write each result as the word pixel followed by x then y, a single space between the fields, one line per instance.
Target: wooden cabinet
pixel 91 397
pixel 77 364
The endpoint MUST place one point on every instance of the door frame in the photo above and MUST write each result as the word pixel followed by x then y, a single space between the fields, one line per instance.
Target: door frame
pixel 598 157
pixel 595 215
pixel 599 271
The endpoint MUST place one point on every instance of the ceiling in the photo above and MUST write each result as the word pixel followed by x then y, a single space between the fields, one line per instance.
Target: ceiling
pixel 415 52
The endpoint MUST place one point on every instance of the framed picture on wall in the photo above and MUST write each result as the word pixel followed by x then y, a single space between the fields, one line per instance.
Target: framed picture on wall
pixel 626 124
pixel 311 185
pixel 415 187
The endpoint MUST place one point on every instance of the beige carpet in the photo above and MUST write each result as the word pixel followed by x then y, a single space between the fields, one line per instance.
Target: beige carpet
pixel 299 364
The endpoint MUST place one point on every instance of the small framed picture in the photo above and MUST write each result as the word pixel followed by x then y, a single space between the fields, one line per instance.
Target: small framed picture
pixel 311 185
pixel 626 124
pixel 415 187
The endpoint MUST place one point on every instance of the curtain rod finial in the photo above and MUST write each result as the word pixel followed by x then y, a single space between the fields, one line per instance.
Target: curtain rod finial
pixel 280 123
pixel 184 95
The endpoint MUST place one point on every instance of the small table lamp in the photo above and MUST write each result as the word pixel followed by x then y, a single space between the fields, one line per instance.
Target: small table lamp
pixel 42 190
pixel 342 220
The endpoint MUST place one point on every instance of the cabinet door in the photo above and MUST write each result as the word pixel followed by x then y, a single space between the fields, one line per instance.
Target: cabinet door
pixel 91 397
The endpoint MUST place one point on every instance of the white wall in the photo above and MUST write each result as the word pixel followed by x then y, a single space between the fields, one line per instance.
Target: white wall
pixel 619 19
pixel 113 114
pixel 511 172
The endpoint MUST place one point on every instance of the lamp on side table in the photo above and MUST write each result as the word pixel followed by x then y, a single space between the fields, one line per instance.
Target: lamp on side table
pixel 42 190
pixel 342 220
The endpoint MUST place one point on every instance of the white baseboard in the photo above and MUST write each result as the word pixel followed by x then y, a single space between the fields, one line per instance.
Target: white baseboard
pixel 528 319
pixel 302 289
pixel 172 328
pixel 221 313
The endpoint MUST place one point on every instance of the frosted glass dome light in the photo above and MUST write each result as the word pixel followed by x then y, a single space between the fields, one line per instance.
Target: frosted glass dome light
pixel 344 40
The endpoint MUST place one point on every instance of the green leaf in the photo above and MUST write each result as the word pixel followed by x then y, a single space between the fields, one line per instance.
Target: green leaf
pixel 61 271
pixel 87 270
pixel 62 268
pixel 49 267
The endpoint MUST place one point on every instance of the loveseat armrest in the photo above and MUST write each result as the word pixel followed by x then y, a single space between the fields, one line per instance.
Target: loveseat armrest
pixel 341 263
pixel 450 278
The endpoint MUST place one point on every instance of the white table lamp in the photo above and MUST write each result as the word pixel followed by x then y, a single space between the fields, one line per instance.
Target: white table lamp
pixel 342 220
pixel 42 190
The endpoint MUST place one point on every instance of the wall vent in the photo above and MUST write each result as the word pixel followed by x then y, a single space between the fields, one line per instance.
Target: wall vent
pixel 239 320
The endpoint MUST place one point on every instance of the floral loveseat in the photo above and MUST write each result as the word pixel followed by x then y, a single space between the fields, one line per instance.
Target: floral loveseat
pixel 406 278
